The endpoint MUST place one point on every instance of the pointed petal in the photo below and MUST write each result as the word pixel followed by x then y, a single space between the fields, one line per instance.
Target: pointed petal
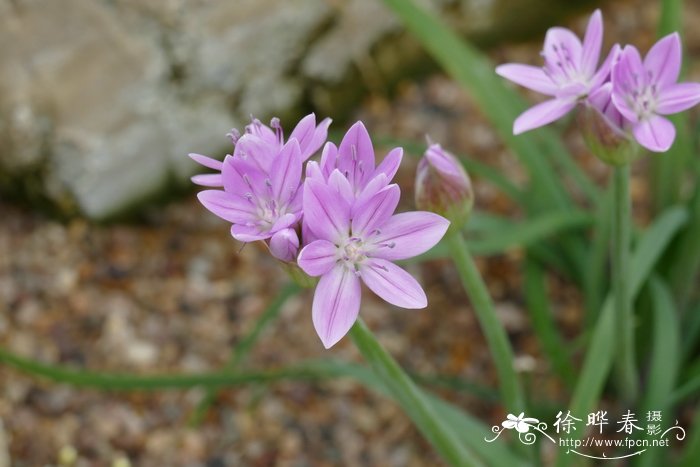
pixel 326 212
pixel 313 170
pixel 542 114
pixel 257 150
pixel 247 234
pixel 409 234
pixel 285 173
pixel 341 184
pixel 592 43
pixel 656 133
pixel 628 78
pixel 336 304
pixel 318 257
pixel 601 76
pixel 211 180
pixel 528 76
pixel 329 159
pixel 229 207
pixel 374 212
pixel 561 40
pixel 310 136
pixel 284 245
pixel 206 161
pixel 377 183
pixel 678 97
pixel 664 59
pixel 390 165
pixel 356 155
pixel 392 283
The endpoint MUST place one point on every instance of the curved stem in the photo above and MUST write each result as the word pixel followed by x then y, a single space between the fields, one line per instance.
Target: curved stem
pixel 411 398
pixel 496 337
pixel 626 371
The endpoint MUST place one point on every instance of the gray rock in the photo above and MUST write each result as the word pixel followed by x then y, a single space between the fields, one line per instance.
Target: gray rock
pixel 101 100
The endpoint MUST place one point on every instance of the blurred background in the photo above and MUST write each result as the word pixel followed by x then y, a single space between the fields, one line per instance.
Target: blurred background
pixel 108 262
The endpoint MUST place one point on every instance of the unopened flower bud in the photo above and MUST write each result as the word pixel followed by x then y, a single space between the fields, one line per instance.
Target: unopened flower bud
pixel 284 245
pixel 605 131
pixel 443 186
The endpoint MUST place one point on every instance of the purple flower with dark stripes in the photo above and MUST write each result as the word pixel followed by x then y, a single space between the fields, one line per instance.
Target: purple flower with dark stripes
pixel 644 91
pixel 569 75
pixel 357 240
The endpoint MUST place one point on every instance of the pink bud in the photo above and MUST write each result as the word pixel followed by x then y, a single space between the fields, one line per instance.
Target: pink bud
pixel 443 186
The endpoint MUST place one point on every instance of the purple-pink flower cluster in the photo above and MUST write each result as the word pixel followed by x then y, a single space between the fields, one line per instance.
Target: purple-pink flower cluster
pixel 631 94
pixel 337 222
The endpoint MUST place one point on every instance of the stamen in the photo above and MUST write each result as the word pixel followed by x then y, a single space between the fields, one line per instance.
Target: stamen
pixel 234 135
pixel 275 124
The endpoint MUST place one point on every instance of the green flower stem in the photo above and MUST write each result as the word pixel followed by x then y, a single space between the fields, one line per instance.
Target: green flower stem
pixel 243 348
pixel 622 298
pixel 411 398
pixel 502 352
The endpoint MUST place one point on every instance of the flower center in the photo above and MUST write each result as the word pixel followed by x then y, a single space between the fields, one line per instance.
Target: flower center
pixel 563 70
pixel 643 101
pixel 353 251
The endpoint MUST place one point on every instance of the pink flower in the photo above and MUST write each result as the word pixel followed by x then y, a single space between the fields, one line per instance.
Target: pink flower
pixel 644 91
pixel 357 240
pixel 569 75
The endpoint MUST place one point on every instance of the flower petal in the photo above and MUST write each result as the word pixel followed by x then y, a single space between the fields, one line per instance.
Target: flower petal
pixel 528 76
pixel 259 151
pixel 542 114
pixel 409 234
pixel 211 180
pixel 318 257
pixel 326 212
pixel 562 41
pixel 374 212
pixel 678 97
pixel 329 159
pixel 206 161
pixel 390 165
pixel 628 78
pixel 248 233
pixel 656 133
pixel 310 136
pixel 392 283
pixel 664 59
pixel 341 184
pixel 336 304
pixel 227 206
pixel 592 43
pixel 285 173
pixel 356 155
pixel 601 76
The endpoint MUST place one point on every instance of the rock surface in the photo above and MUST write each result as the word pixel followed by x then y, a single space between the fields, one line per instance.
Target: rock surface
pixel 101 100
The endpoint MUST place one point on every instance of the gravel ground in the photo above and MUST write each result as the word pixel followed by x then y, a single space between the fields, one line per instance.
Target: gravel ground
pixel 174 293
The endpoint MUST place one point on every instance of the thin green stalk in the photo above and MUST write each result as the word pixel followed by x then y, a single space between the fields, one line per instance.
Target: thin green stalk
pixel 622 299
pixel 243 348
pixel 411 398
pixel 492 328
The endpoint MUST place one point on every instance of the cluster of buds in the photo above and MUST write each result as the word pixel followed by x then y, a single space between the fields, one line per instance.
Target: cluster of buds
pixel 626 99
pixel 334 218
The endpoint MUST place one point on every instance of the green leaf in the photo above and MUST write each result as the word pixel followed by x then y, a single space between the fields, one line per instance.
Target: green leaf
pixel 492 235
pixel 594 278
pixel 664 362
pixel 501 104
pixel 601 348
pixel 544 325
pixel 691 453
